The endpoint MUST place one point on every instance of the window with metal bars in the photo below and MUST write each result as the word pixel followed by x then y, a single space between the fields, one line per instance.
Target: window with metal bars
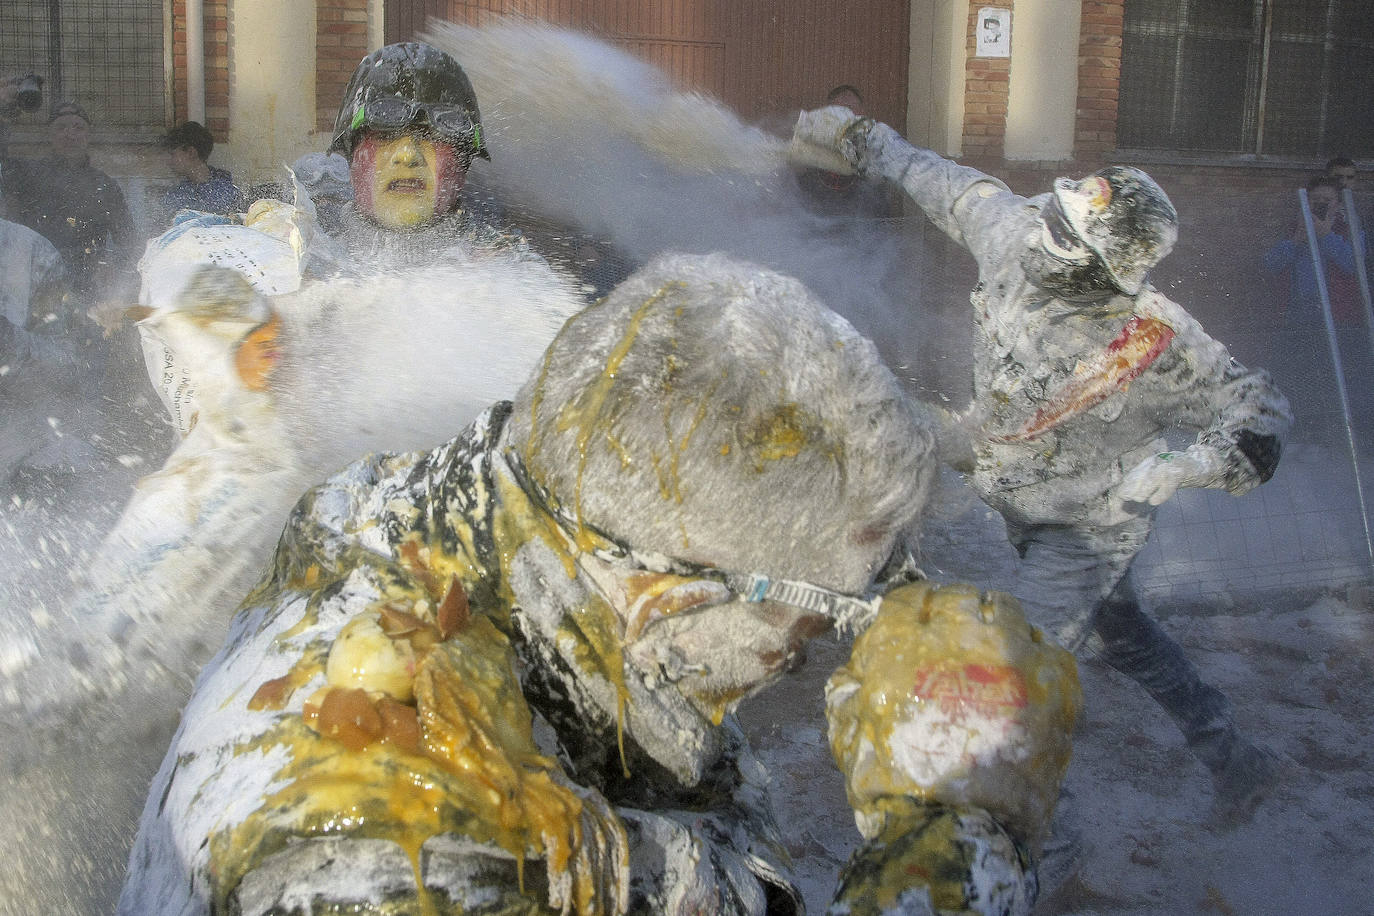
pixel 1278 78
pixel 108 55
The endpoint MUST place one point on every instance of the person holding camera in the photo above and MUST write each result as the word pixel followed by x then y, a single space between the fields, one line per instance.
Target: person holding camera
pixel 17 94
pixel 1292 255
pixel 1301 357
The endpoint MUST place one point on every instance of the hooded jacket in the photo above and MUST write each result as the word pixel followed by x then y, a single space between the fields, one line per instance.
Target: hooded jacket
pixel 265 780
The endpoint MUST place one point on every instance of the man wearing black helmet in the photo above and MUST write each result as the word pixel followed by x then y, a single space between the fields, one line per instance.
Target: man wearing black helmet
pixel 1080 368
pixel 409 128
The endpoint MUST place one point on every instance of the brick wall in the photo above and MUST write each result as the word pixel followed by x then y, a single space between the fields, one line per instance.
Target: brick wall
pixel 216 51
pixel 341 41
pixel 986 82
pixel 1099 78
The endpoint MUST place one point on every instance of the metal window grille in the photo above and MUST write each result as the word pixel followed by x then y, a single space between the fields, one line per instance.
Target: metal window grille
pixel 107 55
pixel 1286 78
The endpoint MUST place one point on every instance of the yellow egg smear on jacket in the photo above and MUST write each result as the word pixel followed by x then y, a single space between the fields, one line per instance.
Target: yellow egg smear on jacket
pixel 451 752
pixel 595 628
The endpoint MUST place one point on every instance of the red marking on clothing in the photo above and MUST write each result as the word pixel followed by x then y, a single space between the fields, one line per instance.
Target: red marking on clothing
pixel 1133 351
pixel 996 691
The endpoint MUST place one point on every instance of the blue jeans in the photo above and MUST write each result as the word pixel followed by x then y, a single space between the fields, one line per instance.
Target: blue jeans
pixel 1076 583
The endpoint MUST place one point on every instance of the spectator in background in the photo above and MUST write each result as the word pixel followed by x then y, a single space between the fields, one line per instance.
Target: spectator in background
pixel 32 287
pixel 1300 355
pixel 77 207
pixel 203 187
pixel 1292 257
pixel 848 196
pixel 1343 169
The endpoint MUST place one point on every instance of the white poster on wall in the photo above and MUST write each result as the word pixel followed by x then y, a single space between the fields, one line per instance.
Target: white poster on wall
pixel 994 32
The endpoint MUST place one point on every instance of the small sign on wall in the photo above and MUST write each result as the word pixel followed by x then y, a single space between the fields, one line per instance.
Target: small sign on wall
pixel 994 32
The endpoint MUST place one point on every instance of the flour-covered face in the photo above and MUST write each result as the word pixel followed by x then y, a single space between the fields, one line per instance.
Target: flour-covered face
pixel 1057 260
pixel 1120 215
pixel 405 181
pixel 1057 236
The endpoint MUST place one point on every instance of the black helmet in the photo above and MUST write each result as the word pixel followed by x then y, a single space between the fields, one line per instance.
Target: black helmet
pixel 405 84
pixel 1124 217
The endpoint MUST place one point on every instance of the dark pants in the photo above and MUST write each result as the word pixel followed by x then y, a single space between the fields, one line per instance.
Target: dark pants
pixel 1076 583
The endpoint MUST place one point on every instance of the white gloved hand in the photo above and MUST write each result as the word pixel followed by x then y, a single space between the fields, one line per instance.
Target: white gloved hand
pixel 1155 479
pixel 828 138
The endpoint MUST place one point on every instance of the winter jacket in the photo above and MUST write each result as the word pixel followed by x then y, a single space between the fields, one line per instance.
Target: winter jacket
pixel 1070 395
pixel 281 767
pixel 81 210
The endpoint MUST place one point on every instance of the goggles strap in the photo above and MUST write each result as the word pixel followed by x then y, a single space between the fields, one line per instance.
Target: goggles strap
pixel 848 613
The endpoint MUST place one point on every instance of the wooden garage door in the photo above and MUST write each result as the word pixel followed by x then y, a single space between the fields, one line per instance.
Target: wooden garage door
pixel 763 58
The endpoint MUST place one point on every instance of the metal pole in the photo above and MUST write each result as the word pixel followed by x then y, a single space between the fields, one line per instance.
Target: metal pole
pixel 59 88
pixel 1357 247
pixel 195 61
pixel 1319 269
pixel 1264 78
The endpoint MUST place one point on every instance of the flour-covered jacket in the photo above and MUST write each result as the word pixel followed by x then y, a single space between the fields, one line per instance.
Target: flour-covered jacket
pixel 371 718
pixel 1069 396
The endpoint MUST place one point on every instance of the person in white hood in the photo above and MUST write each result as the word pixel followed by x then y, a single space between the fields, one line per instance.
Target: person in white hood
pixel 1080 369
pixel 499 675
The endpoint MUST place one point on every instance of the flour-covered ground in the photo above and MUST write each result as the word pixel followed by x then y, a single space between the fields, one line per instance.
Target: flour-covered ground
pixel 1299 666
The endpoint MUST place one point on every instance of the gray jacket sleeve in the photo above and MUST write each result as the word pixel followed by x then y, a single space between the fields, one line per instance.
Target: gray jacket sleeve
pixel 1248 427
pixel 971 207
pixel 1240 412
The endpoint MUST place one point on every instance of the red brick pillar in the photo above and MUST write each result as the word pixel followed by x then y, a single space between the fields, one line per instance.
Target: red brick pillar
pixel 215 48
pixel 1099 78
pixel 340 42
pixel 986 83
